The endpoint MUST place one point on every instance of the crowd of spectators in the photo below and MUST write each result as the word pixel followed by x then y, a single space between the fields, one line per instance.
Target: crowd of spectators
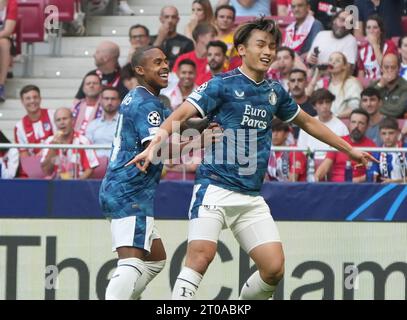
pixel 353 79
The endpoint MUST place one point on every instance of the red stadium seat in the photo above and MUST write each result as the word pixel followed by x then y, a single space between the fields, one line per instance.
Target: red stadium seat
pixel 273 7
pixel 31 15
pixel 66 9
pixel 32 167
pixel 100 170
pixel 66 12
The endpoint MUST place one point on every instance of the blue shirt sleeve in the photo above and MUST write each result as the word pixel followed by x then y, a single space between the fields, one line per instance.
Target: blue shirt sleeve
pixel 287 108
pixel 149 117
pixel 207 97
pixel 375 166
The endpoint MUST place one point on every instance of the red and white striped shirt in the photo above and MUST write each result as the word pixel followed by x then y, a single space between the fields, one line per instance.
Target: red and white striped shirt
pixel 38 131
pixel 367 60
pixel 71 161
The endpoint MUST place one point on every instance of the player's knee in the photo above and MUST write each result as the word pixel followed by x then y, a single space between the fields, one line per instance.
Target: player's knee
pixel 200 259
pixel 274 271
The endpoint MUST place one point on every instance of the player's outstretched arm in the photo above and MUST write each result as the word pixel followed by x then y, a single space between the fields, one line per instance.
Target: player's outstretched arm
pixel 170 125
pixel 323 133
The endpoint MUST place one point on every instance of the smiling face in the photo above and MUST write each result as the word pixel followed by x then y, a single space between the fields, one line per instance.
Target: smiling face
pixel 259 51
pixel 31 101
pixel 154 69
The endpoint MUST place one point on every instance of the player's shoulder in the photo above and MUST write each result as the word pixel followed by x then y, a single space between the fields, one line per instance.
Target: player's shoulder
pixel 140 99
pixel 229 76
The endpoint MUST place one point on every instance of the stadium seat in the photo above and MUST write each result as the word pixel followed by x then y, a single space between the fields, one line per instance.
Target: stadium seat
pixel 31 16
pixel 32 167
pixel 66 11
pixel 100 170
pixel 273 7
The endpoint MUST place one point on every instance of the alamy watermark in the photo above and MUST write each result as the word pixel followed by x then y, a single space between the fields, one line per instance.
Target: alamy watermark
pixel 351 281
pixel 51 277
pixel 51 22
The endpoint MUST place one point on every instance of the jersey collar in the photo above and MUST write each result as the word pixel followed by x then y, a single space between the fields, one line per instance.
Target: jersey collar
pixel 146 90
pixel 257 83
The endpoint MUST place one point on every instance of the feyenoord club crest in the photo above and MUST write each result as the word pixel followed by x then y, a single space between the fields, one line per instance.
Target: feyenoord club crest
pixel 273 98
pixel 154 118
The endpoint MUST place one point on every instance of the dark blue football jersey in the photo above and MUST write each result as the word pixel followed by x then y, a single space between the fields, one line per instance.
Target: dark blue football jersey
pixel 126 191
pixel 244 109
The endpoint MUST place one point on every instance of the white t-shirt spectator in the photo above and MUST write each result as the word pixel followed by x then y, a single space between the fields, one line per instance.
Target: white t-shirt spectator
pixel 328 44
pixel 307 141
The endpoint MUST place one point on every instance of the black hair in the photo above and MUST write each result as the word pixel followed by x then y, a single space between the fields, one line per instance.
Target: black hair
pixel 290 51
pixel 226 6
pixel 278 125
pixel 136 26
pixel 127 72
pixel 389 123
pixel 187 62
pixel 370 92
pixel 297 70
pixel 111 89
pixel 219 44
pixel 360 111
pixel 28 88
pixel 321 95
pixel 138 56
pixel 242 34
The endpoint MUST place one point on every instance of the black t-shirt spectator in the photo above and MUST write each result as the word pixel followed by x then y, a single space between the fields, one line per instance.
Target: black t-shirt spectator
pixel 389 10
pixel 175 46
pixel 326 9
pixel 308 108
pixel 108 80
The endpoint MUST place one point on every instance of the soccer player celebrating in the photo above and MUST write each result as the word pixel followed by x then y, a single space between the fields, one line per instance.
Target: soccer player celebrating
pixel 227 193
pixel 126 194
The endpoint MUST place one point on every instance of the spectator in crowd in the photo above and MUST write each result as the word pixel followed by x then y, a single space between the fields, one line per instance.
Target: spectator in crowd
pixel 128 77
pixel 201 13
pixel 172 43
pixel 301 33
pixel 284 64
pixel 325 10
pixel 89 107
pixel 372 102
pixel 216 58
pixel 67 163
pixel 202 34
pixel 97 7
pixel 246 8
pixel 335 162
pixel 8 21
pixel 392 87
pixel 186 74
pixel 284 8
pixel 322 101
pixel 297 83
pixel 403 56
pixel 37 125
pixel 102 130
pixel 372 51
pixel 390 11
pixel 224 20
pixel 339 39
pixel 108 69
pixel 124 9
pixel 343 85
pixel 8 160
pixel 284 165
pixel 139 36
pixel 392 165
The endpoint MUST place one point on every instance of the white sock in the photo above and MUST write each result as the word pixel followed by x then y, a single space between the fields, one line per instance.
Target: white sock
pixel 186 285
pixel 256 289
pixel 153 268
pixel 124 279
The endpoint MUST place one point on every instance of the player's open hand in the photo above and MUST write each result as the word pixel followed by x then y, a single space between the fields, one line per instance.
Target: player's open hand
pixel 143 159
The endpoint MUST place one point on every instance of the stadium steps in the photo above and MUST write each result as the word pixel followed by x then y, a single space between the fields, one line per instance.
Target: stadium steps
pixel 60 77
